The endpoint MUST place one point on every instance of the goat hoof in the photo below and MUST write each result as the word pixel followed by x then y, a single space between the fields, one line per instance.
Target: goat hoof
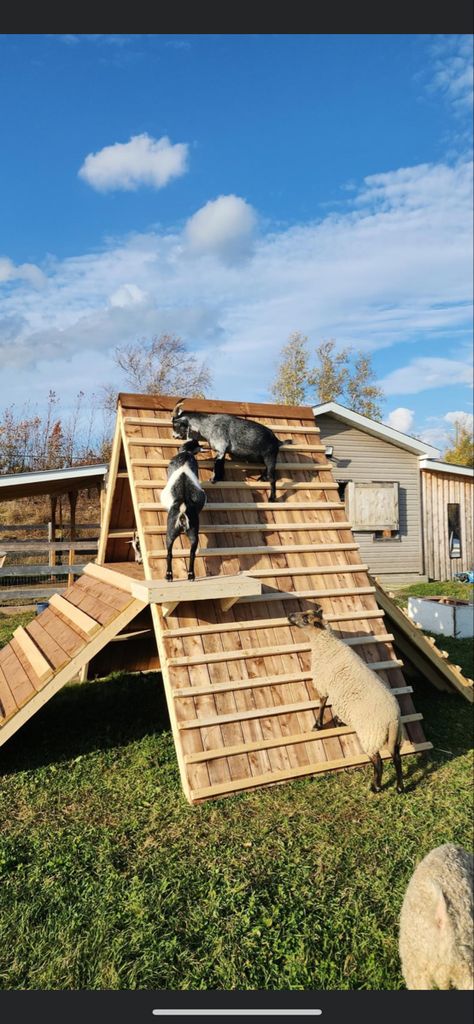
pixel 318 725
pixel 375 789
pixel 169 577
pixel 400 789
pixel 191 576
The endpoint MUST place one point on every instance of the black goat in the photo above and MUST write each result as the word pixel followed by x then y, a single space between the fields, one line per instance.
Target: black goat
pixel 241 439
pixel 184 498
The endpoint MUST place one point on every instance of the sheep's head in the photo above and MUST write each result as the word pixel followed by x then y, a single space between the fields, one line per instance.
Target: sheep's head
pixel 306 620
pixel 179 421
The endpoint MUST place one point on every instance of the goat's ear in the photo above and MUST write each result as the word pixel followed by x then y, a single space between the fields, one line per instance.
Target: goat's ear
pixel 177 409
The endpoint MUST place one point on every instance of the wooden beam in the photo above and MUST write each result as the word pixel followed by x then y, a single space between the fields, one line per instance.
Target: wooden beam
pixel 137 421
pixel 236 485
pixel 164 403
pixel 286 774
pixel 251 467
pixel 248 715
pixel 116 579
pixel 78 618
pixel 281 595
pixel 164 442
pixel 308 570
pixel 206 588
pixel 267 549
pixel 228 602
pixel 260 527
pixel 304 737
pixel 41 667
pixel 168 607
pixel 258 683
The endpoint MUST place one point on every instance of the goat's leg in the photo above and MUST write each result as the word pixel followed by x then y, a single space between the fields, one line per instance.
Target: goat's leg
pixel 218 468
pixel 398 768
pixel 378 769
pixel 270 473
pixel 172 532
pixel 192 533
pixel 319 721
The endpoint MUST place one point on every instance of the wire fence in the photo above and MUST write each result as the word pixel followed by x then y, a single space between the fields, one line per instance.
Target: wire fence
pixel 35 568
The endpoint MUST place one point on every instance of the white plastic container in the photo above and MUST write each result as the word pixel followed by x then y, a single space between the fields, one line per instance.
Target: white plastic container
pixel 442 615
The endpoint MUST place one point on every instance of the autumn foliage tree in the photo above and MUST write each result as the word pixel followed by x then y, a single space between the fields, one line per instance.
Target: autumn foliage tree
pixel 341 376
pixel 51 439
pixel 460 450
pixel 162 366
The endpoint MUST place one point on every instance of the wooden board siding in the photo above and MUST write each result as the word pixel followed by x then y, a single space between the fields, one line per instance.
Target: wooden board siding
pixel 246 712
pixel 360 457
pixel 439 489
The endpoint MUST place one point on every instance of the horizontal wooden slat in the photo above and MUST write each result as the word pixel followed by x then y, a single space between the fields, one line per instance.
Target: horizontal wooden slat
pixel 34 656
pixel 286 774
pixel 259 682
pixel 164 442
pixel 247 485
pixel 283 741
pixel 280 595
pixel 241 716
pixel 254 527
pixel 164 403
pixel 114 579
pixel 33 546
pixel 270 549
pixel 264 623
pixel 252 467
pixel 86 623
pixel 40 570
pixel 241 654
pixel 307 570
pixel 137 421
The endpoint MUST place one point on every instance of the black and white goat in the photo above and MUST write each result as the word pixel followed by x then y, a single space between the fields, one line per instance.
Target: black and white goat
pixel 241 439
pixel 184 498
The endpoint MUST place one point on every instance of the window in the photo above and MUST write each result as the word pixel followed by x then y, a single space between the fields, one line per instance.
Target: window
pixel 454 530
pixel 373 506
pixel 386 535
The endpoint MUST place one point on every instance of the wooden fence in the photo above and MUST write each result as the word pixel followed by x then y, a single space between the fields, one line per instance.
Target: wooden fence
pixel 49 572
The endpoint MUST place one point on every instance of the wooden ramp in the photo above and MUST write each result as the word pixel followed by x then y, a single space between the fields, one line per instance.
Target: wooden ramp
pixel 240 696
pixel 421 651
pixel 53 648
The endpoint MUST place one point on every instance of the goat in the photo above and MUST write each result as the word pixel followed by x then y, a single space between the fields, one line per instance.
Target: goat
pixel 184 498
pixel 241 439
pixel 135 543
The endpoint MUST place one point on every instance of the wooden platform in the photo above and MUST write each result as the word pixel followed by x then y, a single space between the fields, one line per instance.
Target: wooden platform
pixel 241 700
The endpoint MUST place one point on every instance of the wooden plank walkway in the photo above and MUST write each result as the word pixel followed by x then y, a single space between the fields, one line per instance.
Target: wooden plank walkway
pixel 54 646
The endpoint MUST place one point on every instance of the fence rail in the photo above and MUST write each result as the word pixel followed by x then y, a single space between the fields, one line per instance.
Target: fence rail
pixel 45 576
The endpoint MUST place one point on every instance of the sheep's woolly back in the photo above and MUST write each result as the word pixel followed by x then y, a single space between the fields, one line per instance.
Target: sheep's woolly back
pixel 436 922
pixel 358 697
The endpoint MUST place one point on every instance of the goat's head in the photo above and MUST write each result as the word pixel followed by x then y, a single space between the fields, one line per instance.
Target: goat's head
pixel 179 421
pixel 306 620
pixel 192 447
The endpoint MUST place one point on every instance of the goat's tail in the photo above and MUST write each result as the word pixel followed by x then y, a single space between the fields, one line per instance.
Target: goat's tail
pixel 182 521
pixel 394 737
pixel 281 443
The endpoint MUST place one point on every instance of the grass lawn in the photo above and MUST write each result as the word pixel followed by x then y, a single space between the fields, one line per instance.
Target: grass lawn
pixel 111 880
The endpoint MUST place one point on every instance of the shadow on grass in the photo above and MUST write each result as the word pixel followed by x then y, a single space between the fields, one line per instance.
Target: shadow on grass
pixel 89 716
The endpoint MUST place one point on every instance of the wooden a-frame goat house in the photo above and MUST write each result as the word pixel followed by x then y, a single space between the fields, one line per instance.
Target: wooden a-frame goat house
pixel 239 690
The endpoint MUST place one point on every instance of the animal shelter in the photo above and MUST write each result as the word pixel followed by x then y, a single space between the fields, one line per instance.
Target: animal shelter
pixel 237 677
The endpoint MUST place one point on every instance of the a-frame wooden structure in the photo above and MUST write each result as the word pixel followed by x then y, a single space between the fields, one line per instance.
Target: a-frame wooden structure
pixel 240 695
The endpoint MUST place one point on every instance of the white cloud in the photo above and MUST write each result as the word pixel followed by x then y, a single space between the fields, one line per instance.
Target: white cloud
pixel 453 71
pixel 223 226
pixel 401 419
pixel 466 418
pixel 395 268
pixel 128 295
pixel 142 161
pixel 425 373
pixel 23 272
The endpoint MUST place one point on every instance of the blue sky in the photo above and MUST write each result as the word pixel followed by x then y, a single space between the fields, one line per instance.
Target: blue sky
pixel 233 189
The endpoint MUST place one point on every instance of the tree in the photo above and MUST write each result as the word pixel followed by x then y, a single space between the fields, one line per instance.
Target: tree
pixel 162 366
pixel 346 377
pixel 291 383
pixel 362 394
pixel 329 377
pixel 460 450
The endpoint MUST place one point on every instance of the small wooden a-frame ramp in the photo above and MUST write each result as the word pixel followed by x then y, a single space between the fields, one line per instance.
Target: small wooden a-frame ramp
pixel 237 677
pixel 421 651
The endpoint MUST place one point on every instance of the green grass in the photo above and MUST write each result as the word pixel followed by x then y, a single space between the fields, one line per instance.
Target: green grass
pixel 462 591
pixel 111 880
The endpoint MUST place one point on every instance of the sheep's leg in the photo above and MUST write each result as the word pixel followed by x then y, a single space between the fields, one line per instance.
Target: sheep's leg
pixel 319 721
pixel 398 768
pixel 378 769
pixel 218 468
pixel 193 537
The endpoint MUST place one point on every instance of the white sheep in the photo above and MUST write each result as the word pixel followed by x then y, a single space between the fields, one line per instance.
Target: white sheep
pixel 437 923
pixel 358 697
